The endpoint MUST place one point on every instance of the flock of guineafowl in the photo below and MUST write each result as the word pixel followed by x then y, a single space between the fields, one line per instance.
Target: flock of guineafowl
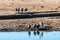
pixel 20 9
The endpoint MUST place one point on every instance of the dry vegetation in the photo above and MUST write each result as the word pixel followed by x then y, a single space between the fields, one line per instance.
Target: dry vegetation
pixel 9 6
pixel 22 24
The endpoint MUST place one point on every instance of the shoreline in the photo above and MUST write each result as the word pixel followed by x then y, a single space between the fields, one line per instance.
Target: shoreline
pixel 23 24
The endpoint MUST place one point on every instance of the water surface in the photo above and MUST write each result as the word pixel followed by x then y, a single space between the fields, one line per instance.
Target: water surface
pixel 30 35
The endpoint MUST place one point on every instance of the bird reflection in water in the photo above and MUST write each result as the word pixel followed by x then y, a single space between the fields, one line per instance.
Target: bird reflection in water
pixel 40 33
pixel 29 33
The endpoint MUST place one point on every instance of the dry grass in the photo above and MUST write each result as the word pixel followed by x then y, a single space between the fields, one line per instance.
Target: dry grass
pixel 55 23
pixel 9 6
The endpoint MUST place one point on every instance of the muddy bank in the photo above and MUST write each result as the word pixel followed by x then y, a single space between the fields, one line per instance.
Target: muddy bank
pixel 25 27
pixel 28 24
